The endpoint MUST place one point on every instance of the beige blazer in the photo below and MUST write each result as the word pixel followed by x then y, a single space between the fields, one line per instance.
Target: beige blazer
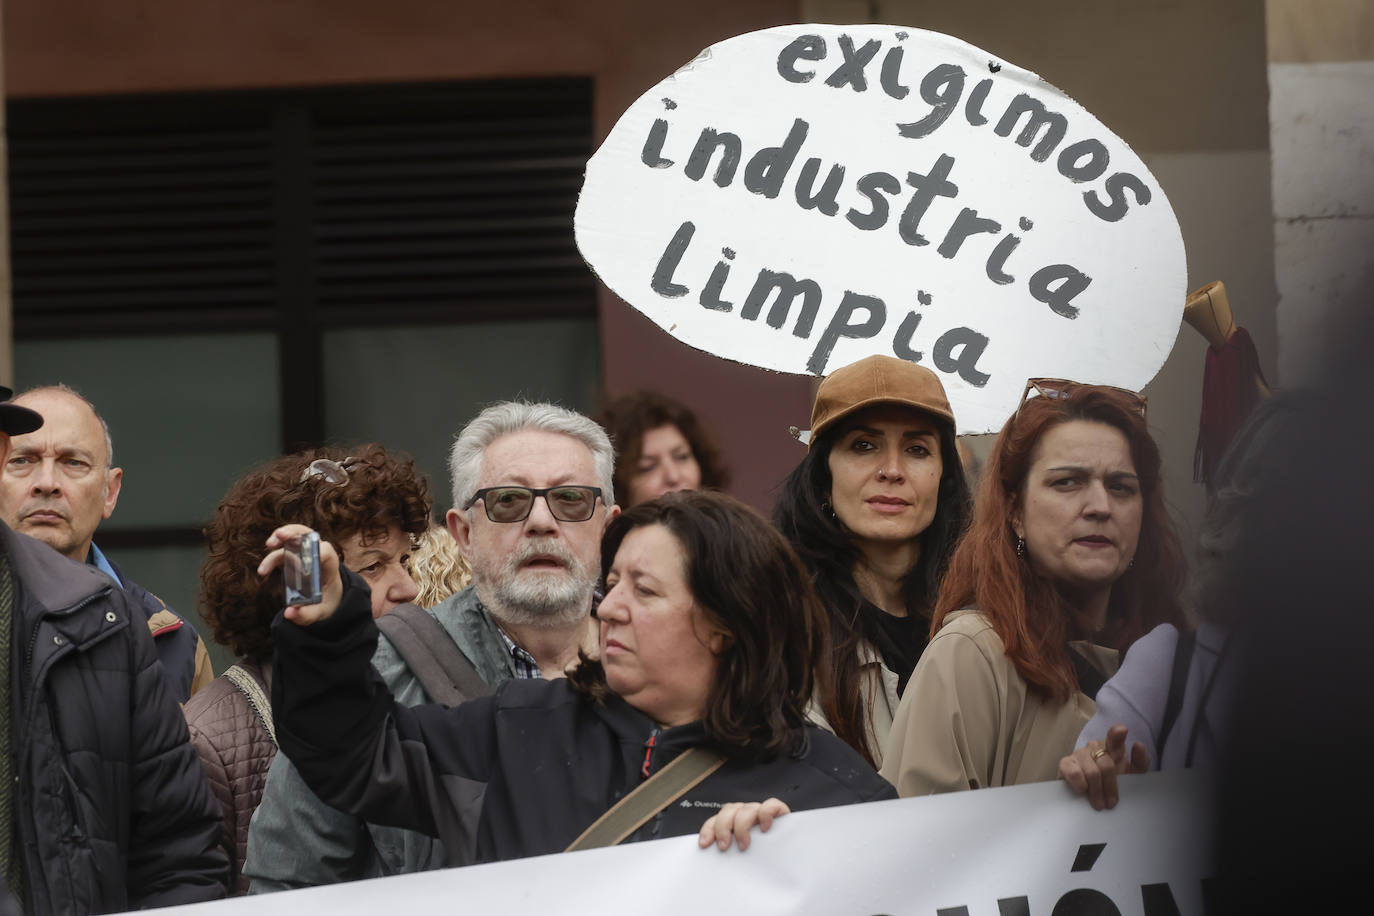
pixel 878 684
pixel 968 720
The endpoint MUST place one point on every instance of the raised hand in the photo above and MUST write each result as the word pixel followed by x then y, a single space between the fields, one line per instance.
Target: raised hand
pixel 330 585
pixel 1094 768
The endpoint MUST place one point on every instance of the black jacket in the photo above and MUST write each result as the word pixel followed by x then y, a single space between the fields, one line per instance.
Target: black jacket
pixel 111 806
pixel 550 761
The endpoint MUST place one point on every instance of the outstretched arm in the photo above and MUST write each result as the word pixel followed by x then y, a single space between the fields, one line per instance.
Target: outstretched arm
pixel 356 748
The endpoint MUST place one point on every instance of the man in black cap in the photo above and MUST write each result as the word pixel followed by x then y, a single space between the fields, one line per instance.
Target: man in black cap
pixel 103 804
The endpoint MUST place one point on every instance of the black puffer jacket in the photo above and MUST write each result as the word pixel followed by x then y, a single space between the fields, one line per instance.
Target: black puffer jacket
pixel 549 760
pixel 112 809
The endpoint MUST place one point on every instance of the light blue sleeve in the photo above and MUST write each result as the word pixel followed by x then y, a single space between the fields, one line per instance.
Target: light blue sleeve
pixel 1136 695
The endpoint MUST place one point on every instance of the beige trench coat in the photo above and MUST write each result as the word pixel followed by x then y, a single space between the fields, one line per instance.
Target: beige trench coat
pixel 878 686
pixel 968 720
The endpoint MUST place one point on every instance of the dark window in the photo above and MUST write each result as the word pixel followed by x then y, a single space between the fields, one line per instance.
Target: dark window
pixel 296 212
pixel 228 275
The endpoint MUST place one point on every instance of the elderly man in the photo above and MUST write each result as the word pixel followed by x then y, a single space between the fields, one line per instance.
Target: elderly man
pixel 535 566
pixel 103 805
pixel 58 485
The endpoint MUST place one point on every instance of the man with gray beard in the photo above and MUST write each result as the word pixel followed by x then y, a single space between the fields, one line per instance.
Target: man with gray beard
pixel 532 495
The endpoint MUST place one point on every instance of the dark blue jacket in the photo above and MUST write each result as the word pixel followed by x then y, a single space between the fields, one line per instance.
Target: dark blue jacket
pixel 176 641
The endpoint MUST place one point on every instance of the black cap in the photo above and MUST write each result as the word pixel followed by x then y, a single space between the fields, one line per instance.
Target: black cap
pixel 14 419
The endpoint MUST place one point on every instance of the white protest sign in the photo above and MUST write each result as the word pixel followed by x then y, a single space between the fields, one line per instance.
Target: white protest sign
pixel 1035 850
pixel 802 197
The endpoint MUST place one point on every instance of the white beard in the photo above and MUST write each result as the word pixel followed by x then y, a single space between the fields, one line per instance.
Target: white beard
pixel 539 598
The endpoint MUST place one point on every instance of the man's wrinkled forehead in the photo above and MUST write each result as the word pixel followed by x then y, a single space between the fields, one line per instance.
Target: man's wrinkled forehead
pixel 69 422
pixel 536 458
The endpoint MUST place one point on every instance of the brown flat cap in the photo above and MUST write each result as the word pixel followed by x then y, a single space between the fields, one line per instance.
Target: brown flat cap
pixel 875 380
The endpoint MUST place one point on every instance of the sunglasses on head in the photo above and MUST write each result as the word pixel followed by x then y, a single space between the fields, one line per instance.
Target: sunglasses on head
pixel 329 470
pixel 1063 388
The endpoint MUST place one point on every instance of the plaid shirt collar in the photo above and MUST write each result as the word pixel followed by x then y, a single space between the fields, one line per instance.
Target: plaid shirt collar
pixel 525 665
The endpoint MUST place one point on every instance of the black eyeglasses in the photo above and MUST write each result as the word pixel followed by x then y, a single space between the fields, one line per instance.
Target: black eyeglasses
pixel 329 470
pixel 514 504
pixel 1062 388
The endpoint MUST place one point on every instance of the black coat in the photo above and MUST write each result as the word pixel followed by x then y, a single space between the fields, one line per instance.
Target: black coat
pixel 111 806
pixel 549 760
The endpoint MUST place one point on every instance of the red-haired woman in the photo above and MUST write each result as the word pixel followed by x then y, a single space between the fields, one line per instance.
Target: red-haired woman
pixel 1070 557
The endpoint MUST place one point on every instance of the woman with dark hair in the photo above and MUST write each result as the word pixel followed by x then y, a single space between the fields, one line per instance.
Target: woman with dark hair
pixel 1070 557
pixel 875 509
pixel 661 447
pixel 368 505
pixel 710 637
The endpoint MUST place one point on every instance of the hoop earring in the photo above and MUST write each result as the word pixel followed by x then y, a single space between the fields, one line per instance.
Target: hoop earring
pixel 1021 547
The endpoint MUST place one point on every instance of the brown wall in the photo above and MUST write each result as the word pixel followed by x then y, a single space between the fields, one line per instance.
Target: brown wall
pixel 81 47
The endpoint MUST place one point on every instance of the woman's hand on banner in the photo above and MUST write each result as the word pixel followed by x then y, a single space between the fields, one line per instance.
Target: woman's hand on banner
pixel 736 819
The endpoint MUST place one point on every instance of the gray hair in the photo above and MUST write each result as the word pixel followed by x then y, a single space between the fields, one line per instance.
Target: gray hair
pixel 68 390
pixel 506 417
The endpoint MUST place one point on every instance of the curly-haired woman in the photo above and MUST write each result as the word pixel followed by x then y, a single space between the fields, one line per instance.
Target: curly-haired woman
pixel 370 505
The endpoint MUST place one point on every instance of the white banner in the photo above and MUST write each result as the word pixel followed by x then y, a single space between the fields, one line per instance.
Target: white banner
pixel 1022 851
pixel 804 196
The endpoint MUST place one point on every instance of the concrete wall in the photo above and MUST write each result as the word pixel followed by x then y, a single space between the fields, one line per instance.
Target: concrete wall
pixel 1185 85
pixel 1321 79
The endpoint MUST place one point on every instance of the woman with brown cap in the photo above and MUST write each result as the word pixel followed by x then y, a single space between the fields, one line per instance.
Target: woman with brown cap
pixel 875 510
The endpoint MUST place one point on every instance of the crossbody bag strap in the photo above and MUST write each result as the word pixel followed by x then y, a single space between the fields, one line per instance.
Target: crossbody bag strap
pixel 1178 683
pixel 432 656
pixel 652 796
pixel 252 690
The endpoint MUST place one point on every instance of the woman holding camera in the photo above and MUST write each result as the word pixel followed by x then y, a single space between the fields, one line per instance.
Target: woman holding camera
pixel 709 637
pixel 367 505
